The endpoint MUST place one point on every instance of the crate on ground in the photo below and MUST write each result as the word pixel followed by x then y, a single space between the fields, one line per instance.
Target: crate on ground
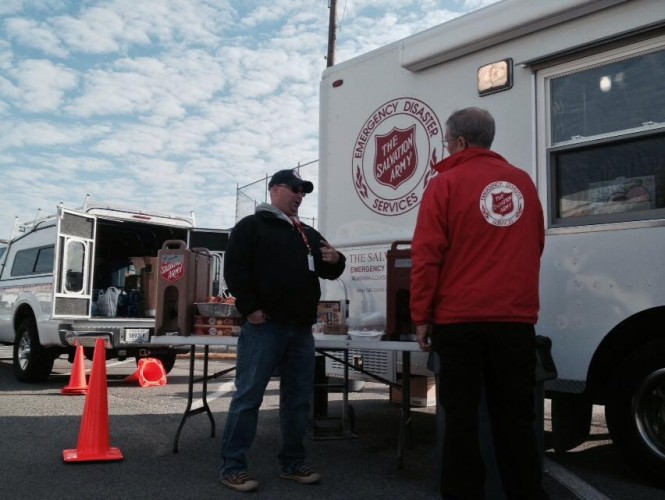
pixel 423 392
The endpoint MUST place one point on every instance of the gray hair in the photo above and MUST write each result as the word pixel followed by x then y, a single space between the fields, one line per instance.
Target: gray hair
pixel 476 125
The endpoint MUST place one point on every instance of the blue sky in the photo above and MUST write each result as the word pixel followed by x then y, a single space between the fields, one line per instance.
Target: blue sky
pixel 169 105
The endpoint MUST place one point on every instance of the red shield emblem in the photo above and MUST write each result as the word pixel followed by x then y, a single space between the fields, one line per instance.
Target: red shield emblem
pixel 502 203
pixel 172 267
pixel 396 156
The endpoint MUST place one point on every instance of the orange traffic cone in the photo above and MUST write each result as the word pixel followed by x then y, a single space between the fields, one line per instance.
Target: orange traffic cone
pixel 150 373
pixel 94 437
pixel 77 383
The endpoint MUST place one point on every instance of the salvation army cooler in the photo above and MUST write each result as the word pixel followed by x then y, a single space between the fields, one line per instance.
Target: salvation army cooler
pixel 183 280
pixel 398 317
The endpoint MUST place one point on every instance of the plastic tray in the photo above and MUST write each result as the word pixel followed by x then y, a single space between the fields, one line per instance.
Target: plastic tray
pixel 218 310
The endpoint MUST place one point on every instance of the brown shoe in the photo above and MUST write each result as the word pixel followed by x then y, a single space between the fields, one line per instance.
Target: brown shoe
pixel 304 475
pixel 240 481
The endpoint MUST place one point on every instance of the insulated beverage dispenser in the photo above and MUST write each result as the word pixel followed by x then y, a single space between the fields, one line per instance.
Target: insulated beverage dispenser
pixel 398 316
pixel 184 279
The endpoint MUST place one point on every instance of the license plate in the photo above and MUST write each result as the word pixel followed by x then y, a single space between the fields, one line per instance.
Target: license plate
pixel 137 335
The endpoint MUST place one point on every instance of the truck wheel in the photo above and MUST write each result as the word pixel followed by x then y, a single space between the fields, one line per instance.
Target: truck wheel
pixel 635 410
pixel 32 363
pixel 167 359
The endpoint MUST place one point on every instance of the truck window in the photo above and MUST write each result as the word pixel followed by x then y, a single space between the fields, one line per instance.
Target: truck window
pixel 607 143
pixel 44 262
pixel 33 261
pixel 74 266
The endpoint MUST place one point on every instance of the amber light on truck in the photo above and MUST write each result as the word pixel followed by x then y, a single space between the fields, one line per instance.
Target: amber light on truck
pixel 495 77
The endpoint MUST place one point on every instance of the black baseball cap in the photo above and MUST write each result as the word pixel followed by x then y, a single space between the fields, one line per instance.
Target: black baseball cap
pixel 291 178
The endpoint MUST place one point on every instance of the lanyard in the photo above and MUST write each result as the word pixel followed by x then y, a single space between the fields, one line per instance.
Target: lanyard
pixel 301 230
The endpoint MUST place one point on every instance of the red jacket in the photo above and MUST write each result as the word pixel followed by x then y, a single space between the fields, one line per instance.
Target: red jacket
pixel 477 243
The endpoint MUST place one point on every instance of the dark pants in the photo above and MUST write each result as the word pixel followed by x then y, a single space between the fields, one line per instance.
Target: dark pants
pixel 502 358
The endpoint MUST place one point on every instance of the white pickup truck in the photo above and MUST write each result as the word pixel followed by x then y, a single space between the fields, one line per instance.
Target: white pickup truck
pixel 53 269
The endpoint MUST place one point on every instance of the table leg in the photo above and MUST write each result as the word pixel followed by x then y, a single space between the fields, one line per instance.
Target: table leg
pixel 345 394
pixel 204 394
pixel 405 419
pixel 190 395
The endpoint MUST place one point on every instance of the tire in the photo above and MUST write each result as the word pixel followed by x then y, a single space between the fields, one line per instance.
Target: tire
pixel 635 410
pixel 32 363
pixel 167 359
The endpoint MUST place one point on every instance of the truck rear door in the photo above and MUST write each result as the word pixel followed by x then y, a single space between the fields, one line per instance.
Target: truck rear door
pixel 74 252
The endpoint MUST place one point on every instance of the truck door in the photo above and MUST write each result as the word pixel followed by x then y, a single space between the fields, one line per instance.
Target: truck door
pixel 74 251
pixel 215 240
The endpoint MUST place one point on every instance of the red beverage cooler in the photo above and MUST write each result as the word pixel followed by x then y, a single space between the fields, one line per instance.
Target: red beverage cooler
pixel 184 278
pixel 398 293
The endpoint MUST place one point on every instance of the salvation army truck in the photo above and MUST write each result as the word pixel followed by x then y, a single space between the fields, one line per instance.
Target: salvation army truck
pixel 576 89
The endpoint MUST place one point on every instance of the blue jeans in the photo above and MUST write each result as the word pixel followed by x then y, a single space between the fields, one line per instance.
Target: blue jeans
pixel 262 349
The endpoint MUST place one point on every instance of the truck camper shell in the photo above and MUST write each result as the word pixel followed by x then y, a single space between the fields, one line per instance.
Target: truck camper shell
pixel 55 269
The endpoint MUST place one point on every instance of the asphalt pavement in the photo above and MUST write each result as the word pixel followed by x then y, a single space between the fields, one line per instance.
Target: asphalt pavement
pixel 38 423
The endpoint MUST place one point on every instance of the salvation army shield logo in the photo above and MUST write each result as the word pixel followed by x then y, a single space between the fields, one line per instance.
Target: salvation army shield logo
pixel 393 155
pixel 172 267
pixel 501 203
pixel 396 157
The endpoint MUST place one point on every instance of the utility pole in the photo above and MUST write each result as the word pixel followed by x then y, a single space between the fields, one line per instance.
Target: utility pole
pixel 332 26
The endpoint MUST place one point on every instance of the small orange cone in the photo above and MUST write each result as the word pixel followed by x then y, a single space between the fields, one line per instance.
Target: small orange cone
pixel 77 383
pixel 94 438
pixel 150 373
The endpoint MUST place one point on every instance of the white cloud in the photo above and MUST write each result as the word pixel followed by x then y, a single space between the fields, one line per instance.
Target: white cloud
pixel 40 134
pixel 35 35
pixel 133 139
pixel 98 30
pixel 41 84
pixel 169 105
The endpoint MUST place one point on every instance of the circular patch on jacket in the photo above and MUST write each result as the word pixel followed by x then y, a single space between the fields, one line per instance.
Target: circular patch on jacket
pixel 501 203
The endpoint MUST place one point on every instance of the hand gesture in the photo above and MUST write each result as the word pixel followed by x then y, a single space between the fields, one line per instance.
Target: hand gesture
pixel 328 253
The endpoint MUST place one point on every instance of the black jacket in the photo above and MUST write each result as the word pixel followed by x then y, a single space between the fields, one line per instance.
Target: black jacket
pixel 265 267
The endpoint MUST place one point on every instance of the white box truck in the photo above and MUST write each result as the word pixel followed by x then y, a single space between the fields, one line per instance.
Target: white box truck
pixel 577 90
pixel 54 268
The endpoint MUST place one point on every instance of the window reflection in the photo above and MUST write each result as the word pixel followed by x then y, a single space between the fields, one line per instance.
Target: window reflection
pixel 74 266
pixel 608 141
pixel 624 177
pixel 618 96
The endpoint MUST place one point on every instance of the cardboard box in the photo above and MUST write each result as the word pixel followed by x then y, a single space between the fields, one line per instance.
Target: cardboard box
pixel 334 306
pixel 334 329
pixel 331 317
pixel 423 392
pixel 214 321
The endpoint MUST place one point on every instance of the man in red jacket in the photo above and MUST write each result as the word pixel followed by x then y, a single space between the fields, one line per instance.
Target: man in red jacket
pixel 474 300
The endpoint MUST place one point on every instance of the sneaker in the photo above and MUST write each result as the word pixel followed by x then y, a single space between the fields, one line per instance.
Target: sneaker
pixel 304 475
pixel 240 481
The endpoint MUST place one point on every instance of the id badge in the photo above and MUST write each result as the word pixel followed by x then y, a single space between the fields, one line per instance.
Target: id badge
pixel 310 262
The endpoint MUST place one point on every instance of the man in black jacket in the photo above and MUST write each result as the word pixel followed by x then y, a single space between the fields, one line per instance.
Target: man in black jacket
pixel 272 267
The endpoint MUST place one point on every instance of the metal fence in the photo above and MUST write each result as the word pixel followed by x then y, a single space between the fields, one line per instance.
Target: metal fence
pixel 249 196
